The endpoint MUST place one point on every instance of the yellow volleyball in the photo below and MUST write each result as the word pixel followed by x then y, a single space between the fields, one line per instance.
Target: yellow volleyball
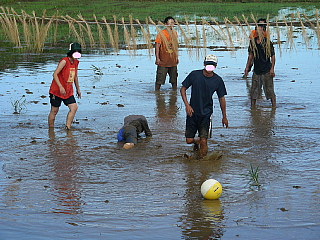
pixel 211 189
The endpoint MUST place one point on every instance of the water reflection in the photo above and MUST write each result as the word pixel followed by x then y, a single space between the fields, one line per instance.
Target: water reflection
pixel 166 109
pixel 64 152
pixel 30 62
pixel 262 123
pixel 203 218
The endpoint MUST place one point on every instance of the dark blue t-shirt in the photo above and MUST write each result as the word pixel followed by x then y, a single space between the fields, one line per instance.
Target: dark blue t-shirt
pixel 202 89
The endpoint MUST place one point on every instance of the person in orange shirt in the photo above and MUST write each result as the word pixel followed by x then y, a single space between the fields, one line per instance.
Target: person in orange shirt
pixel 61 89
pixel 167 55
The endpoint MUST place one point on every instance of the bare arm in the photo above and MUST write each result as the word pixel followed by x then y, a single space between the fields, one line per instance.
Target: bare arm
pixel 157 53
pixel 56 78
pixel 76 83
pixel 146 128
pixel 249 64
pixel 223 107
pixel 273 62
pixel 189 109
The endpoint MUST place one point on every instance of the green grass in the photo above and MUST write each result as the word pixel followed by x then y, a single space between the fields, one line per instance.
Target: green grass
pixel 158 10
pixel 254 176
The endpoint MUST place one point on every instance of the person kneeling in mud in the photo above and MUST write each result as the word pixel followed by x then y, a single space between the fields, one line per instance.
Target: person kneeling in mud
pixel 133 126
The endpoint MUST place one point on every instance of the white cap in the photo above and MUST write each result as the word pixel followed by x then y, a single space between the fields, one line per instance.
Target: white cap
pixel 211 60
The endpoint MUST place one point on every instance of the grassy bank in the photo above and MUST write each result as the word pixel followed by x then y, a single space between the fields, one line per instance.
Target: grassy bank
pixel 156 9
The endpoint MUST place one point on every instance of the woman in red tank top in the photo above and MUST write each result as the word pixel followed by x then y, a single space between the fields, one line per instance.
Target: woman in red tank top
pixel 61 89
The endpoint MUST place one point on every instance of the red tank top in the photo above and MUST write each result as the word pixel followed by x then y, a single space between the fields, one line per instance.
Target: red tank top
pixel 66 78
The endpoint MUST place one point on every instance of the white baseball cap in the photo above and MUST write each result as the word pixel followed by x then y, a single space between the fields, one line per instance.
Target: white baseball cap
pixel 211 60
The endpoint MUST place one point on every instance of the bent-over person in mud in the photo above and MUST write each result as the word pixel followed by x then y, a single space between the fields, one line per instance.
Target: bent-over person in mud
pixel 203 84
pixel 262 57
pixel 133 126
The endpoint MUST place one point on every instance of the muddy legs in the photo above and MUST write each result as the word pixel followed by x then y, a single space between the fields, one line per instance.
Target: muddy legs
pixel 54 111
pixel 200 145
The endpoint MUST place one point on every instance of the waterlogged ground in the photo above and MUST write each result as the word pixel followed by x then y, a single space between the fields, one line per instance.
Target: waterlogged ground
pixel 81 184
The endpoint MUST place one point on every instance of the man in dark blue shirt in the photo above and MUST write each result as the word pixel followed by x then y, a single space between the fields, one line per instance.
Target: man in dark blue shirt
pixel 203 84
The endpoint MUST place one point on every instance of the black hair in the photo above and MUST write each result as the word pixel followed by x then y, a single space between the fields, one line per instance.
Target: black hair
pixel 262 22
pixel 74 47
pixel 69 54
pixel 168 18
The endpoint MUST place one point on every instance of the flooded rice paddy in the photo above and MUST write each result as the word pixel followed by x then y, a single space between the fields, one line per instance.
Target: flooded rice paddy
pixel 81 184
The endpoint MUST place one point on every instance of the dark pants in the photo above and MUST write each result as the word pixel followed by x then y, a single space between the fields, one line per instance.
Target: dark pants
pixel 162 74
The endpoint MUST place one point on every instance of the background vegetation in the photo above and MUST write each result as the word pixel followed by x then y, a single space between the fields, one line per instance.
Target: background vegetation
pixel 103 24
pixel 158 10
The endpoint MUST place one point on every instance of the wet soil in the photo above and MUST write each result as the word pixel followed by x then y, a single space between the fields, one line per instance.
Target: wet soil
pixel 81 184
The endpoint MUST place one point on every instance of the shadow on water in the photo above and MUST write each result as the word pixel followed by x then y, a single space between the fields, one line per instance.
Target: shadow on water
pixel 262 132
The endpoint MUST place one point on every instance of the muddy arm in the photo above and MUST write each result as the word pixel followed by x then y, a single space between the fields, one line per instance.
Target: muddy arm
pixel 146 128
pixel 249 64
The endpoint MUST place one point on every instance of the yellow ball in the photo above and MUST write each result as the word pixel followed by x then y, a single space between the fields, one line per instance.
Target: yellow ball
pixel 211 189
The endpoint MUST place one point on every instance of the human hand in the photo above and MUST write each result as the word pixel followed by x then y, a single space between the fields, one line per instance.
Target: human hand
pixel 246 72
pixel 158 61
pixel 272 73
pixel 62 91
pixel 79 93
pixel 189 110
pixel 225 122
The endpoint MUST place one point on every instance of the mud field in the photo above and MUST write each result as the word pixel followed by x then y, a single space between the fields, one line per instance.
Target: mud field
pixel 81 184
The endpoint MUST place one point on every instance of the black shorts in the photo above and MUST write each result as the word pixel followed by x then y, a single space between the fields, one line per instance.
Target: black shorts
pixel 56 101
pixel 200 124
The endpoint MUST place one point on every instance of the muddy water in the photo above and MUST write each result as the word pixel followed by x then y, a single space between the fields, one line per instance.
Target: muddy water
pixel 81 185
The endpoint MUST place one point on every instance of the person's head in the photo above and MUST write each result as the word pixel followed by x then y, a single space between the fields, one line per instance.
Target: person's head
pixel 210 62
pixel 169 21
pixel 262 24
pixel 74 50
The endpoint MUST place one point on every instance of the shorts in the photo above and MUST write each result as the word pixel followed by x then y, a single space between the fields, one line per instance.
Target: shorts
pixel 162 74
pixel 56 101
pixel 259 80
pixel 198 124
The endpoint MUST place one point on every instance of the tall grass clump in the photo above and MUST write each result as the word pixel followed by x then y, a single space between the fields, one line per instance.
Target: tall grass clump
pixel 10 27
pixel 32 31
